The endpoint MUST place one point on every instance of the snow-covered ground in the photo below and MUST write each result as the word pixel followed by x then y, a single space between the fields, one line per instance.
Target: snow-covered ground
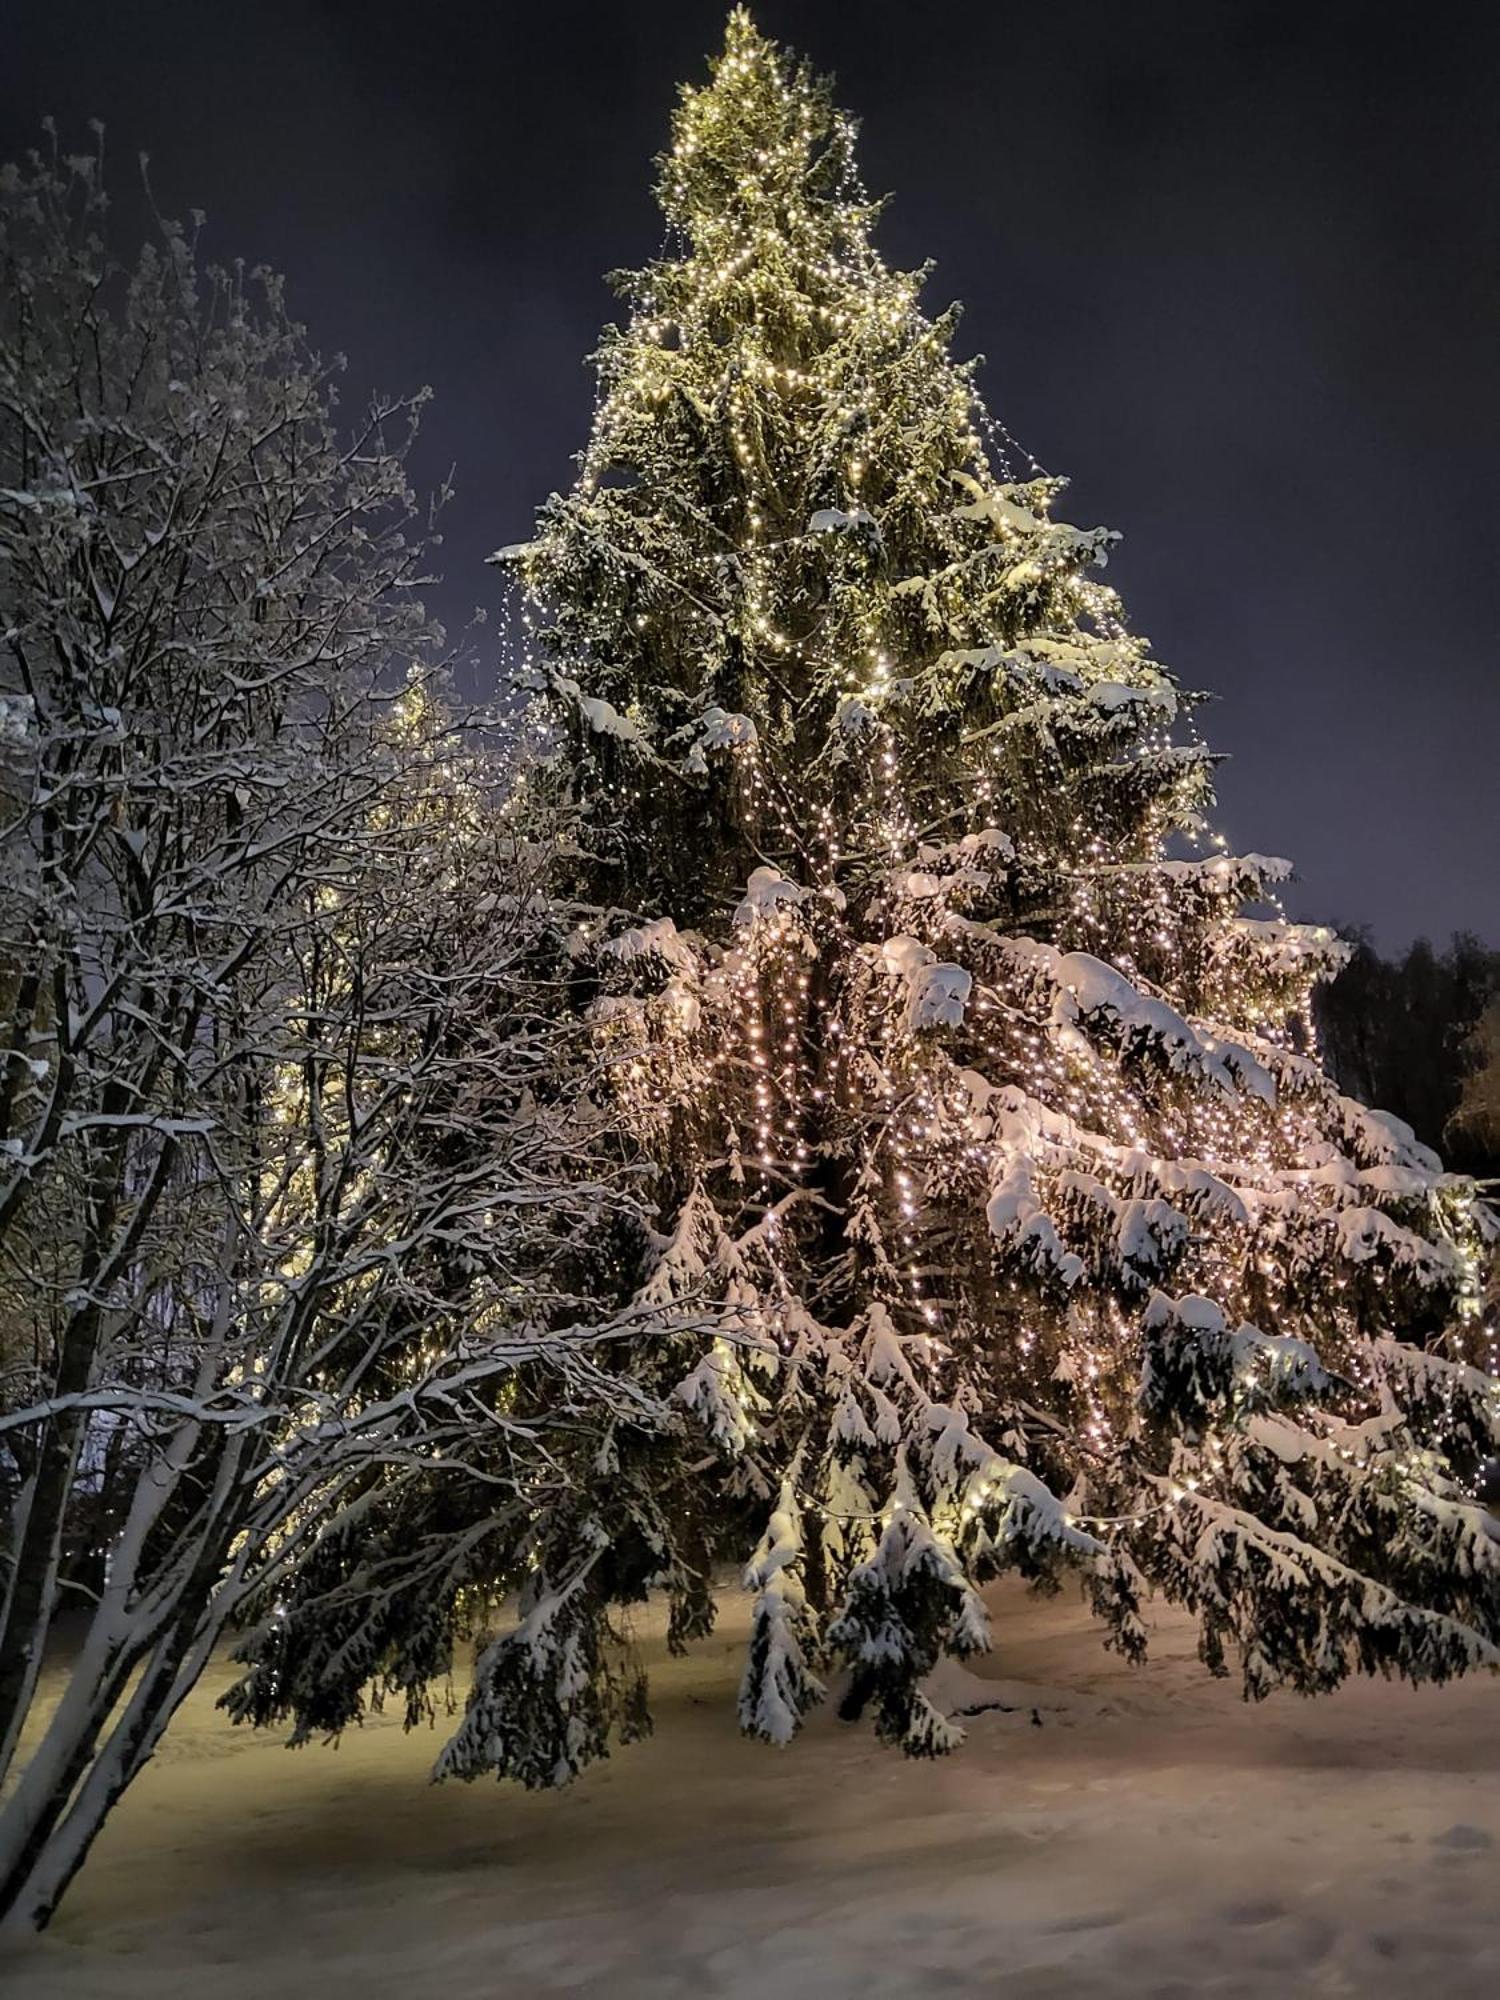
pixel 1152 1837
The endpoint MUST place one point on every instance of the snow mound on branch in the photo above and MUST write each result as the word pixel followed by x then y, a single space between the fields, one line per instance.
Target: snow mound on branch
pixel 17 717
pixel 1119 697
pixel 969 864
pixel 1286 1364
pixel 1149 1235
pixel 1276 946
pixel 836 521
pixel 777 1688
pixel 1385 1139
pixel 768 891
pixel 854 717
pixel 660 936
pixel 600 715
pixel 1204 1192
pixel 1092 987
pixel 606 720
pixel 1021 1226
pixel 1192 1311
pixel 937 992
pixel 1329 1168
pixel 717 729
pixel 987 840
pixel 1004 506
pixel 939 996
pixel 905 956
pixel 1365 1234
pixel 998 659
pixel 1234 878
pixel 1091 991
pixel 723 731
pixel 722 1397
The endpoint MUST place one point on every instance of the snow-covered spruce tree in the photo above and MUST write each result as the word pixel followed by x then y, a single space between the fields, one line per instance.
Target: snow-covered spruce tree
pixel 985 1113
pixel 293 1237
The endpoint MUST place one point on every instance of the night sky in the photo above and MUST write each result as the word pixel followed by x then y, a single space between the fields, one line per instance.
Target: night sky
pixel 1235 267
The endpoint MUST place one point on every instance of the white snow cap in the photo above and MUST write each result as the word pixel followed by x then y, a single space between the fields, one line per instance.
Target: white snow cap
pixel 17 717
pixel 1088 987
pixel 600 715
pixel 854 717
pixel 1112 696
pixel 723 731
pixel 765 893
pixel 606 720
pixel 834 521
pixel 917 883
pixel 988 839
pixel 966 864
pixel 905 956
pixel 1002 505
pixel 937 993
pixel 719 730
pixel 661 936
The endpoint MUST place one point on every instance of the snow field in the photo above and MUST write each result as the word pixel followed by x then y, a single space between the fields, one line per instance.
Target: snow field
pixel 1102 1833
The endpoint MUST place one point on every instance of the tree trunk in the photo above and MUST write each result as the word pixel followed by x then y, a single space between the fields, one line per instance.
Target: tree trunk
pixel 32 1812
pixel 69 1786
pixel 30 1601
pixel 34 1885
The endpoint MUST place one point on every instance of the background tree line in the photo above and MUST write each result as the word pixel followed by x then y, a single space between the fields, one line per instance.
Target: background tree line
pixel 1419 1035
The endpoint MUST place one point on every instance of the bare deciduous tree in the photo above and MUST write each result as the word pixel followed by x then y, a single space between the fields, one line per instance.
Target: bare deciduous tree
pixel 289 1219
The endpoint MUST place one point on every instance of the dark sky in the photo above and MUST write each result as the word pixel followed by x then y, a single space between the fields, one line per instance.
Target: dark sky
pixel 1233 264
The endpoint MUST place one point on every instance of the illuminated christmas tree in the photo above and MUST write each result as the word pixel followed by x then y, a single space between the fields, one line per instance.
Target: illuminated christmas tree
pixel 977 1103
